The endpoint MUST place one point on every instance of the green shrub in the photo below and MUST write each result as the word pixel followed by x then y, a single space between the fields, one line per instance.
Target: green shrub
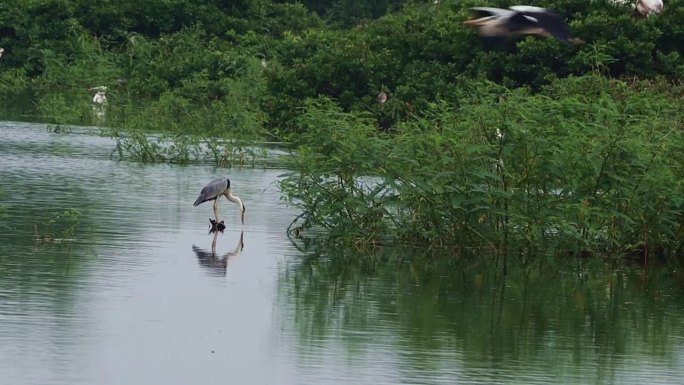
pixel 565 169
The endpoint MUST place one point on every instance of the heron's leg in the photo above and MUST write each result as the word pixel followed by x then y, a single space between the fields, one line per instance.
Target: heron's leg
pixel 216 210
pixel 213 244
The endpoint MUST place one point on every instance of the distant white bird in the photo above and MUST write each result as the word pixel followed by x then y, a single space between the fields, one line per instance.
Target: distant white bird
pixel 382 98
pixel 519 20
pixel 100 98
pixel 648 7
pixel 99 101
pixel 264 64
pixel 642 7
pixel 214 190
pixel 1 51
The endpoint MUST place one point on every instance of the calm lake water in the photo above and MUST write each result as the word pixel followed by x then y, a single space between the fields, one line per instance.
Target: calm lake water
pixel 138 297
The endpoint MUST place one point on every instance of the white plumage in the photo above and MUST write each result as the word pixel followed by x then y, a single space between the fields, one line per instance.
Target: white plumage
pixel 100 98
pixel 642 7
pixel 647 7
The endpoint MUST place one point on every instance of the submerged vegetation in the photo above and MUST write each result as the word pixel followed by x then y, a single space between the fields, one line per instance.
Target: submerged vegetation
pixel 59 227
pixel 525 145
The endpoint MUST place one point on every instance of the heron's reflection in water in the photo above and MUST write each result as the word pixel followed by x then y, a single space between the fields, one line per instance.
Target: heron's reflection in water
pixel 217 264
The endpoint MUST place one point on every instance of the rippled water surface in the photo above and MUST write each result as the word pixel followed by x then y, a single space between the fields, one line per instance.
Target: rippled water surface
pixel 139 297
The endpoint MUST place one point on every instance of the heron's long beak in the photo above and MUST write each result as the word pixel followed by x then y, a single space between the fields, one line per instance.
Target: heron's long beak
pixel 242 216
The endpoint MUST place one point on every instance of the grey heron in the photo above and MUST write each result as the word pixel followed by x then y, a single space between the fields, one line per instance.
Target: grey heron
pixel 519 20
pixel 213 191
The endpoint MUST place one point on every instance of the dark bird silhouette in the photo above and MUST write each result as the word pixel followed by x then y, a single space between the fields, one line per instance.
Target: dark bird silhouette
pixel 214 263
pixel 520 20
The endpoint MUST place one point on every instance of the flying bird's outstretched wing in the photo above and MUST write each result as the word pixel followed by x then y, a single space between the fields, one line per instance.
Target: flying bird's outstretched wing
pixel 519 20
pixel 545 19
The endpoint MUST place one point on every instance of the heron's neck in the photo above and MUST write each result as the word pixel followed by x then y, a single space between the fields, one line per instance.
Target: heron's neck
pixel 234 199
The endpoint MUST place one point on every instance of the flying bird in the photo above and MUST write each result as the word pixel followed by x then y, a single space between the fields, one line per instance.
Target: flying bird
pixel 213 191
pixel 519 20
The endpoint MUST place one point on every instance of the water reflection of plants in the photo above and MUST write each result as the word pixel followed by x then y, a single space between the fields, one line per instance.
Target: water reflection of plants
pixel 2 212
pixel 542 313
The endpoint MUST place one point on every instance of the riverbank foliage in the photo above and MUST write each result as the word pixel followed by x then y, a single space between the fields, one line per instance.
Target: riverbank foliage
pixel 519 145
pixel 586 166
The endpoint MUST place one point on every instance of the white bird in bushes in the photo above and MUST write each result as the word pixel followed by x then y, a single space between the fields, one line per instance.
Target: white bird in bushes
pixel 382 98
pixel 100 98
pixel 643 7
pixel 648 7
pixel 519 20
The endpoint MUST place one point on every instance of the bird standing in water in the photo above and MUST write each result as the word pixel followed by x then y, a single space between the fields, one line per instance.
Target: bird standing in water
pixel 99 101
pixel 100 98
pixel 213 191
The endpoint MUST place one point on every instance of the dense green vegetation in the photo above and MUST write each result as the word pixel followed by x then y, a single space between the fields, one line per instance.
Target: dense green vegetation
pixel 521 145
pixel 585 165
